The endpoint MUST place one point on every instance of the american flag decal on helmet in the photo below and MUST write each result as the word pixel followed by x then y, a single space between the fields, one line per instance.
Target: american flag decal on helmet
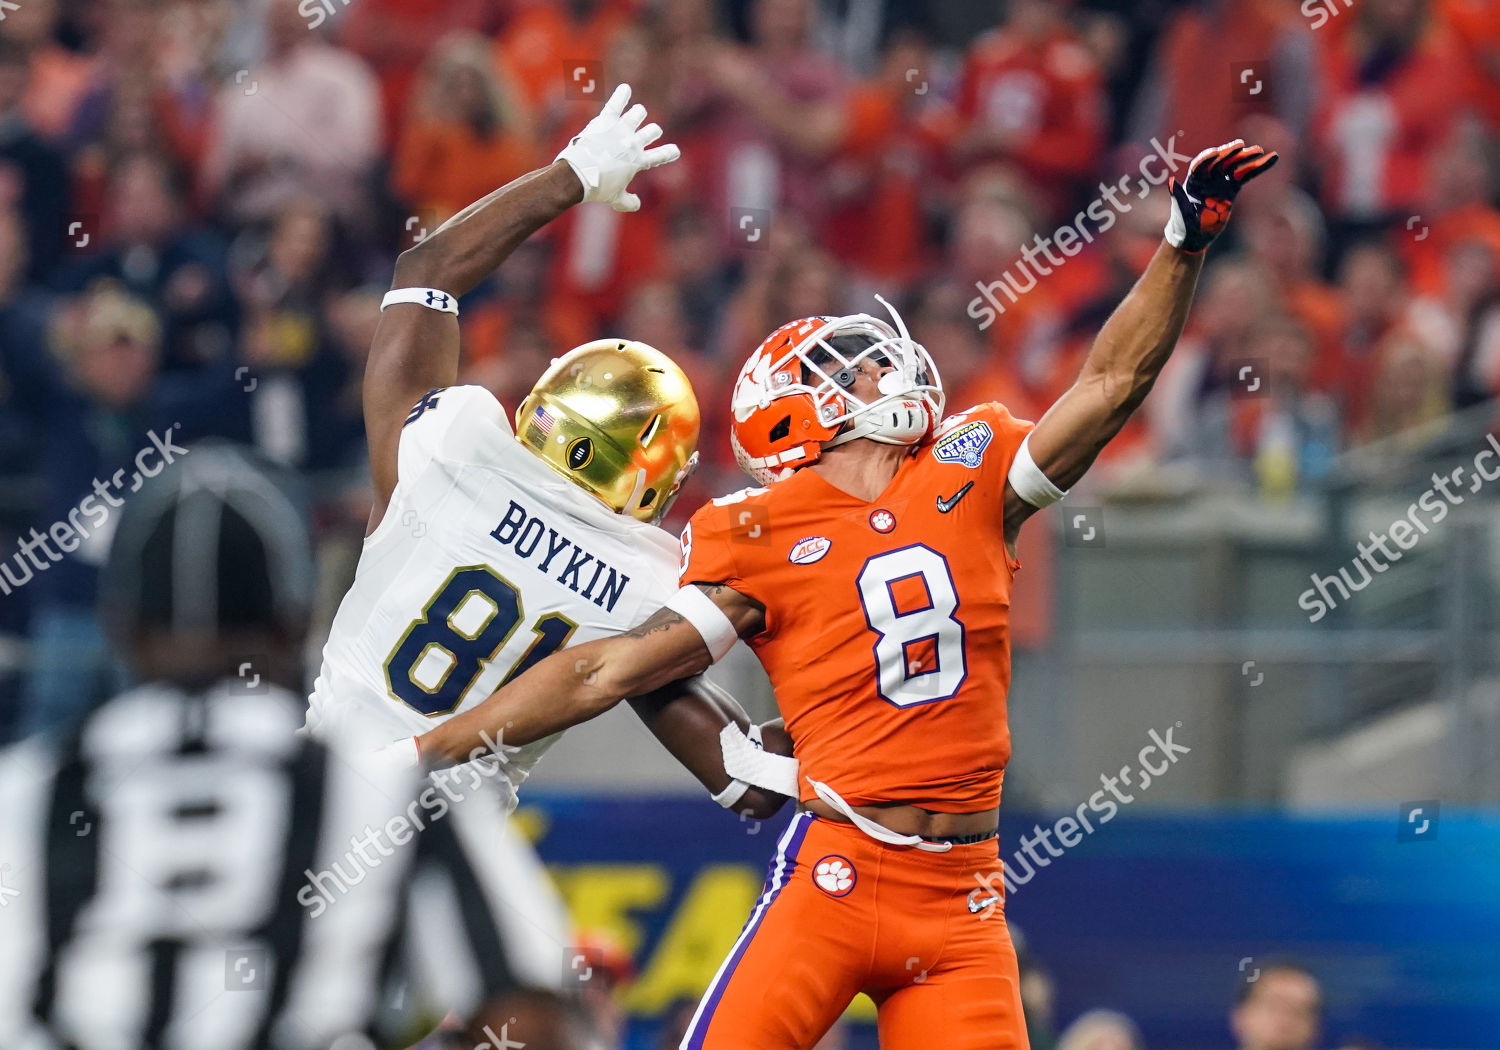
pixel 542 419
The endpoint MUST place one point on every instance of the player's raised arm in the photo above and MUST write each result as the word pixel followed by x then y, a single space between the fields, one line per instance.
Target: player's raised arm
pixel 579 683
pixel 416 344
pixel 1137 339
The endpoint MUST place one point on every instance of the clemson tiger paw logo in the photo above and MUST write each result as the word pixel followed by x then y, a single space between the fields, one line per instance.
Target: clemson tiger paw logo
pixel 882 520
pixel 1215 214
pixel 834 875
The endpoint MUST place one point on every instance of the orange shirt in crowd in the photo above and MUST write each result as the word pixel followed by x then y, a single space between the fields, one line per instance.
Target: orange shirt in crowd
pixel 1475 28
pixel 1319 306
pixel 537 43
pixel 1047 97
pixel 486 329
pixel 445 166
pixel 1427 259
pixel 59 80
pixel 1197 55
pixel 1375 139
pixel 396 36
pixel 878 179
pixel 600 254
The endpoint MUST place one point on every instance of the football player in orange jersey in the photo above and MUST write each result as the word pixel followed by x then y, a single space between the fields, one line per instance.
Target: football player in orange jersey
pixel 871 574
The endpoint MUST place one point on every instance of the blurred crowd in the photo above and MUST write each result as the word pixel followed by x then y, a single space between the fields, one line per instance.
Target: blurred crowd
pixel 201 202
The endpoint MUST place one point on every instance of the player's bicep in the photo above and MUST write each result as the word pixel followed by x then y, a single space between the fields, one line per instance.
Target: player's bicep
pixel 1036 473
pixel 415 350
pixel 660 650
pixel 1070 436
pixel 683 638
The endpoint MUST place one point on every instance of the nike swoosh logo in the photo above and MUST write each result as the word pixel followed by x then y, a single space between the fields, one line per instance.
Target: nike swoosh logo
pixel 945 505
pixel 975 907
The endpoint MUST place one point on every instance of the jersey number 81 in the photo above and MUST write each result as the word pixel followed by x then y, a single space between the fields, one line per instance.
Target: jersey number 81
pixel 462 628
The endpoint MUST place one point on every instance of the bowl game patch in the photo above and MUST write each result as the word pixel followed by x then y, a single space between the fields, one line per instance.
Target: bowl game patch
pixel 965 445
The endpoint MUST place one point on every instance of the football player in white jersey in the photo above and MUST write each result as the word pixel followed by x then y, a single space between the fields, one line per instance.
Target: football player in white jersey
pixel 489 547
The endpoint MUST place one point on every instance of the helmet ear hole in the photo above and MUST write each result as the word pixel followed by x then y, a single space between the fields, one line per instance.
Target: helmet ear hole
pixel 782 429
pixel 647 499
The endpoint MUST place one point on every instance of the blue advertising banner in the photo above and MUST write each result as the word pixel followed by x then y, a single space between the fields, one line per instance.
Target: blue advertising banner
pixel 1156 916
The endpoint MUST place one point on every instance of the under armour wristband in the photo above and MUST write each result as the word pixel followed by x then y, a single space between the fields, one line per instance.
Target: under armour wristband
pixel 431 298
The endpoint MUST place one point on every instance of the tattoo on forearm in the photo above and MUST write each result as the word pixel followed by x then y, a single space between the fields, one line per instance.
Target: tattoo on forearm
pixel 661 620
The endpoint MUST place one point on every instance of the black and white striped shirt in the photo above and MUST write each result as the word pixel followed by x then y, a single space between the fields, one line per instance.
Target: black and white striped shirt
pixel 188 873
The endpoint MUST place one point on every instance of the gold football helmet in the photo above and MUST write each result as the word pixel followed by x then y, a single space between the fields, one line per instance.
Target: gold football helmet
pixel 617 418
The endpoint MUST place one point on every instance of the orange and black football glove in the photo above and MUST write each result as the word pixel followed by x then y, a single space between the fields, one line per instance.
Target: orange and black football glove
pixel 1202 201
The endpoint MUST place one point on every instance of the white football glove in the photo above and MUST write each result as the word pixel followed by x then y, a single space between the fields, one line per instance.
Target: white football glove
pixel 611 149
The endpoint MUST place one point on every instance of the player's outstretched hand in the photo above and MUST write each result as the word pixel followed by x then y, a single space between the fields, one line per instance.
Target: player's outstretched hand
pixel 1201 203
pixel 612 148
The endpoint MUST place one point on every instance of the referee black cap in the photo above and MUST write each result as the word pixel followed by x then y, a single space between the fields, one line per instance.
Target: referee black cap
pixel 217 542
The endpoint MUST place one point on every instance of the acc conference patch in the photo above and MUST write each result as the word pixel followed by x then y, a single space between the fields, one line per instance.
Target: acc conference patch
pixel 965 445
pixel 809 549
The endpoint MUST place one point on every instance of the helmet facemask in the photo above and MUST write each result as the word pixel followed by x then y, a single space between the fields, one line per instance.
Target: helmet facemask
pixel 911 394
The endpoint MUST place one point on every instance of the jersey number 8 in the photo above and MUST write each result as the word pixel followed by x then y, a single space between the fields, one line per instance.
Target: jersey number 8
pixel 919 654
pixel 462 628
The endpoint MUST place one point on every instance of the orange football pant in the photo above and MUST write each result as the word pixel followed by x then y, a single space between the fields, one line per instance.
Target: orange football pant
pixel 841 914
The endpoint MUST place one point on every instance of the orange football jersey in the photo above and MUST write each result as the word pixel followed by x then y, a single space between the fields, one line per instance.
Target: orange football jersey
pixel 887 633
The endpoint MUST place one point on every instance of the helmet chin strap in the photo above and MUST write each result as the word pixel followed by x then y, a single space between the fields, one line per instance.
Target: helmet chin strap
pixel 894 423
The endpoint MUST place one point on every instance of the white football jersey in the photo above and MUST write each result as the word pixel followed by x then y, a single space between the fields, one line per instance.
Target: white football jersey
pixel 487 560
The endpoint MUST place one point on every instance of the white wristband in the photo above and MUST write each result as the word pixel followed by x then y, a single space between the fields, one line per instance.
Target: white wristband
pixel 432 298
pixel 732 794
pixel 1028 480
pixel 707 618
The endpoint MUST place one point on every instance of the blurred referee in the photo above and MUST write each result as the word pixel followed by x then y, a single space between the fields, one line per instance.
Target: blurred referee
pixel 151 867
